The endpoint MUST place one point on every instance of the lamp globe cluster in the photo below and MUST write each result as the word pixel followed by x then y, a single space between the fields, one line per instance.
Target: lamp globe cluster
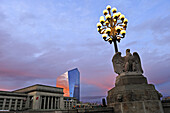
pixel 112 25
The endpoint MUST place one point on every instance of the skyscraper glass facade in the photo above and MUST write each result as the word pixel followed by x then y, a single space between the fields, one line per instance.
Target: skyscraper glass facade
pixel 70 81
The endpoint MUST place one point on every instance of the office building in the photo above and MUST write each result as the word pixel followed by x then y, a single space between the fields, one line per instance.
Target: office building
pixel 70 82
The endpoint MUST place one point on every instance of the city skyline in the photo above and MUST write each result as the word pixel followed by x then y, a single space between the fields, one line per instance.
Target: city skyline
pixel 40 40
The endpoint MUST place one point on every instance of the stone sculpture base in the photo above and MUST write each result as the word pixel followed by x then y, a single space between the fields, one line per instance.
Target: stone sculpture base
pixel 132 94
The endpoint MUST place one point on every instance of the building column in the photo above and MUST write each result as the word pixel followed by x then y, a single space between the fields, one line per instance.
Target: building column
pixel 61 103
pixel 15 108
pixel 72 104
pixel 21 104
pixel 55 106
pixel 36 102
pixel 40 103
pixel 52 102
pixel 66 103
pixel 58 103
pixel 4 102
pixel 10 102
pixel 27 102
pixel 48 102
pixel 44 102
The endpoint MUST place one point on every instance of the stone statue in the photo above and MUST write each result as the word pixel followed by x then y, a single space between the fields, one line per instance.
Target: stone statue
pixel 128 63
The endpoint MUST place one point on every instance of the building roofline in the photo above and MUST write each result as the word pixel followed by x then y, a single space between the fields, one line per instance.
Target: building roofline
pixel 12 93
pixel 38 87
pixel 73 69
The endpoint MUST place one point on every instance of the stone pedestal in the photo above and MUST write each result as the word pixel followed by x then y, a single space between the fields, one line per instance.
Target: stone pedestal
pixel 133 94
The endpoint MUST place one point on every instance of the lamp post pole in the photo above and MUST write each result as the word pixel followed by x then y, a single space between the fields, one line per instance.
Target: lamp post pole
pixel 113 26
pixel 115 45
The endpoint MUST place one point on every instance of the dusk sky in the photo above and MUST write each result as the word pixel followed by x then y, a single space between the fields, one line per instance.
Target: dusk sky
pixel 42 39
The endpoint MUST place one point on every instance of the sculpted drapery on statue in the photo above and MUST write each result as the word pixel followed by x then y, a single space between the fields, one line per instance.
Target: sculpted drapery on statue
pixel 128 63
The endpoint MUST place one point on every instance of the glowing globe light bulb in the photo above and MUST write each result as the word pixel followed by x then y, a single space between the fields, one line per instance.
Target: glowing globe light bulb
pixel 114 10
pixel 108 7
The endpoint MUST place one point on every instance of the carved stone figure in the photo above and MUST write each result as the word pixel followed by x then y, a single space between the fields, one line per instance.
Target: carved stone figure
pixel 119 98
pixel 128 63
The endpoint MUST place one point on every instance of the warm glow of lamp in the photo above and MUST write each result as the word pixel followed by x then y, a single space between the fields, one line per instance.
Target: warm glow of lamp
pixel 122 17
pixel 107 22
pixel 114 10
pixel 110 40
pixel 99 25
pixel 112 26
pixel 105 12
pixel 118 37
pixel 123 32
pixel 125 21
pixel 119 13
pixel 104 36
pixel 115 15
pixel 108 7
pixel 108 30
pixel 117 28
pixel 108 16
pixel 102 19
pixel 98 29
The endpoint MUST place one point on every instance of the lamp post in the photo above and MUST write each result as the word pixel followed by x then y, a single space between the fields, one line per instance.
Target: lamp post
pixel 113 26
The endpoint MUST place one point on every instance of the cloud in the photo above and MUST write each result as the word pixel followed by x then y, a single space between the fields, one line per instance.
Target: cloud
pixel 159 27
pixel 87 89
pixel 130 44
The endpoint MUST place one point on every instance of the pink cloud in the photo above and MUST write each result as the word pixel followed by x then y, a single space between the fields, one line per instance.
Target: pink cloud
pixel 103 83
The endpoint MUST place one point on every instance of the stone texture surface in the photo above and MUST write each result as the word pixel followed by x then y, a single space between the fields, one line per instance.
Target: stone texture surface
pixel 132 94
pixel 128 63
pixel 132 89
pixel 130 79
pixel 138 107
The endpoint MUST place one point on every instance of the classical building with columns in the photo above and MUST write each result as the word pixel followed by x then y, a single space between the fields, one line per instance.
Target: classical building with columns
pixel 36 97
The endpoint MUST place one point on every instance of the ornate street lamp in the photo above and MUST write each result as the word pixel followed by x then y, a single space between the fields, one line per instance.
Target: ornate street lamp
pixel 113 26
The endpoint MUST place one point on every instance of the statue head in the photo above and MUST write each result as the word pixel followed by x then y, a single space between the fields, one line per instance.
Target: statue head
pixel 127 51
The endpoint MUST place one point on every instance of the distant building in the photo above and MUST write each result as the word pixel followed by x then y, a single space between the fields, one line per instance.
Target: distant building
pixel 36 97
pixel 69 102
pixel 92 99
pixel 70 82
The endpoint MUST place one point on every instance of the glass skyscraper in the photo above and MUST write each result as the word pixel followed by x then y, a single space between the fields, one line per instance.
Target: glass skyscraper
pixel 70 82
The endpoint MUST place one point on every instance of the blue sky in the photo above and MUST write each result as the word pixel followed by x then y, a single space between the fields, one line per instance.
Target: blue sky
pixel 40 40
